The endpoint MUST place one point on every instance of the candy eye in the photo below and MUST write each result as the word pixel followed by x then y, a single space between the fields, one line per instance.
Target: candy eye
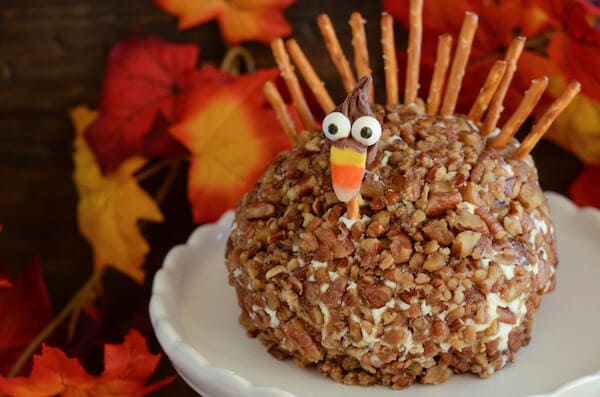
pixel 336 126
pixel 366 130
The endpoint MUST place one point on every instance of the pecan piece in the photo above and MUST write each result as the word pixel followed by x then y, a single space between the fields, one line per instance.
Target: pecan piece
pixel 401 247
pixel 437 229
pixel 434 262
pixel 506 316
pixel 412 185
pixel 303 187
pixel 334 294
pixel 374 295
pixel 490 220
pixel 464 243
pixel 441 202
pixel 300 339
pixel 530 196
pixel 436 374
pixel 259 210
pixel 466 220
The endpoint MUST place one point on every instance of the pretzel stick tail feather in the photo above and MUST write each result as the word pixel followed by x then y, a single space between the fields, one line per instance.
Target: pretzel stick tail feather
pixel 414 51
pixel 335 52
pixel 544 122
pixel 390 66
pixel 459 63
pixel 315 84
pixel 512 56
pixel 292 83
pixel 361 52
pixel 442 62
pixel 487 91
pixel 283 116
pixel 530 99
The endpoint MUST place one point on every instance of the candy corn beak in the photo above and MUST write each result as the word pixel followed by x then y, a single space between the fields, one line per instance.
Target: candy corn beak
pixel 347 171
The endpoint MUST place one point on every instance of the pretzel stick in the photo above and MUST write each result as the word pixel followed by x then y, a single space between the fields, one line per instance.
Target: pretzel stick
pixel 487 91
pixel 390 67
pixel 442 61
pixel 353 207
pixel 361 52
pixel 335 52
pixel 291 81
pixel 530 99
pixel 459 63
pixel 413 60
pixel 544 122
pixel 315 84
pixel 283 116
pixel 512 56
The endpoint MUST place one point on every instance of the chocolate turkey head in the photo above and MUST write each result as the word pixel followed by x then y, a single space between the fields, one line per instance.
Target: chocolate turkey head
pixel 353 133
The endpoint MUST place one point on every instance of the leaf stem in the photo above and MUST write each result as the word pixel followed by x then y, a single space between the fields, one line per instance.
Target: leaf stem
pixel 64 313
pixel 233 58
pixel 162 192
pixel 152 170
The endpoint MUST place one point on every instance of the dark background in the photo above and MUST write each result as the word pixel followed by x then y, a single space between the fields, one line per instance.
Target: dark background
pixel 52 57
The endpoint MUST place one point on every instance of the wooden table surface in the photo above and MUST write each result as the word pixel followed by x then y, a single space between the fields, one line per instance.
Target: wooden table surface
pixel 52 56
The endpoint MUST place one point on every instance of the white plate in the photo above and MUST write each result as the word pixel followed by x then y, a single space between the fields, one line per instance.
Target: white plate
pixel 194 313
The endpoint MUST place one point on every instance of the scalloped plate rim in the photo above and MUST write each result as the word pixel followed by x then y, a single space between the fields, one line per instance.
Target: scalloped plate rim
pixel 175 346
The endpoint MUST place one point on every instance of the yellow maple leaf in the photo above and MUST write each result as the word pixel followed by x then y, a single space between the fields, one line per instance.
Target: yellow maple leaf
pixel 577 129
pixel 110 206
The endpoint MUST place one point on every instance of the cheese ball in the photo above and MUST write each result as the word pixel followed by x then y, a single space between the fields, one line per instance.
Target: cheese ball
pixel 441 274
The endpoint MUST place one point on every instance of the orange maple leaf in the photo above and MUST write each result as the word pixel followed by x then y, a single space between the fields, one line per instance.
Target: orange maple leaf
pixel 110 206
pixel 239 20
pixel 232 136
pixel 127 368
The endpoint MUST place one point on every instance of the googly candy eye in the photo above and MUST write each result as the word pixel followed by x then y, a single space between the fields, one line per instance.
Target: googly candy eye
pixel 366 130
pixel 336 126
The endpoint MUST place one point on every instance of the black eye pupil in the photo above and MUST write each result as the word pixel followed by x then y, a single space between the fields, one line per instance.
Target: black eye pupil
pixel 366 132
pixel 333 129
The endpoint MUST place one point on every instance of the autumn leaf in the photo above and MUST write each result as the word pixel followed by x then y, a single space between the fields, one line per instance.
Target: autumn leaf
pixel 25 310
pixel 232 135
pixel 577 129
pixel 575 50
pixel 585 190
pixel 144 78
pixel 239 20
pixel 127 368
pixel 110 206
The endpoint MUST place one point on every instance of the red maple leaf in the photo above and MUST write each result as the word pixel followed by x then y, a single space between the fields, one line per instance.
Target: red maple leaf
pixel 585 190
pixel 127 368
pixel 232 135
pixel 144 77
pixel 25 310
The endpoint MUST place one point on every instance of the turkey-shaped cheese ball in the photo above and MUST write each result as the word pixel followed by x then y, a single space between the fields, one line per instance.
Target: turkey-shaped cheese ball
pixel 403 242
